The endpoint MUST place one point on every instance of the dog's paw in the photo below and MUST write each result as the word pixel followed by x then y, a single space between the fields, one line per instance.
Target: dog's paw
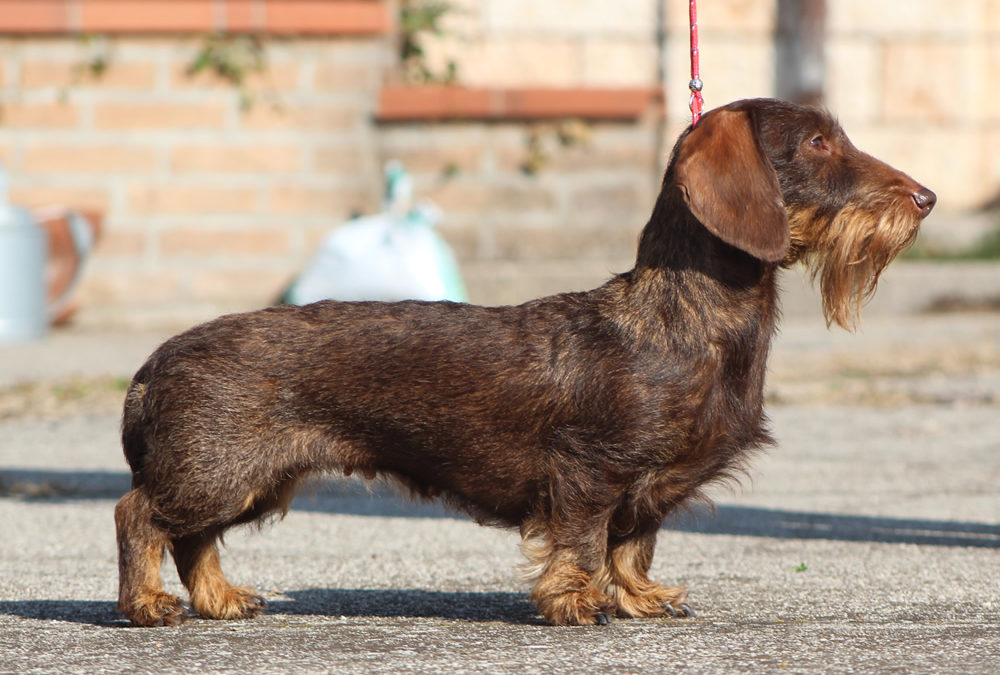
pixel 234 602
pixel 586 608
pixel 651 601
pixel 155 608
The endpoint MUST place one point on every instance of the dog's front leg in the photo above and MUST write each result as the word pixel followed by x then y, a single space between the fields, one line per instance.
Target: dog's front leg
pixel 567 547
pixel 625 578
pixel 565 592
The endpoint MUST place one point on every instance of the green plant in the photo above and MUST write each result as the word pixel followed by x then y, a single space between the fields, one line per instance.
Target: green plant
pixel 801 567
pixel 417 18
pixel 233 59
pixel 566 133
pixel 96 60
pixel 93 64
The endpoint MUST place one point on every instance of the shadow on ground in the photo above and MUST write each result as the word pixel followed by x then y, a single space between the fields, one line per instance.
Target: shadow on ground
pixel 91 612
pixel 410 603
pixel 358 499
pixel 330 602
pixel 757 522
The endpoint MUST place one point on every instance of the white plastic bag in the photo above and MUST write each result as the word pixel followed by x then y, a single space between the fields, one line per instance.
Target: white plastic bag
pixel 395 255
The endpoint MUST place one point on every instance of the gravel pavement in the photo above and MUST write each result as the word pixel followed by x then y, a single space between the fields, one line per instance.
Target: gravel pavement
pixel 867 540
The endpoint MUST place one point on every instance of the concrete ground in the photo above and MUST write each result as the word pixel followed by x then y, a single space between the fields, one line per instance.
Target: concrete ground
pixel 867 540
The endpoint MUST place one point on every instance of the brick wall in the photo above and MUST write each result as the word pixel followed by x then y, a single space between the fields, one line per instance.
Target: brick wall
pixel 569 226
pixel 208 207
pixel 555 42
pixel 212 207
pixel 576 220
pixel 914 83
pixel 918 82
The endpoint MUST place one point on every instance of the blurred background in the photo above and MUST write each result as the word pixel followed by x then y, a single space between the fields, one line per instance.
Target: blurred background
pixel 217 142
pixel 185 158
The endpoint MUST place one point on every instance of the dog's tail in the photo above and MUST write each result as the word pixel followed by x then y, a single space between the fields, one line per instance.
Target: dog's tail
pixel 135 420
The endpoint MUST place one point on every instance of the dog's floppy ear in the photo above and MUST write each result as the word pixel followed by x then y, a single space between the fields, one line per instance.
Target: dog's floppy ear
pixel 730 186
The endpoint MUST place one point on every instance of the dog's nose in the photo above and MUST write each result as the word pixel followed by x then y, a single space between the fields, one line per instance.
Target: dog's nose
pixel 925 200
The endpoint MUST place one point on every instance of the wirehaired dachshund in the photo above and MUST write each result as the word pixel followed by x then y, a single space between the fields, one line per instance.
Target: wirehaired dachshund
pixel 582 419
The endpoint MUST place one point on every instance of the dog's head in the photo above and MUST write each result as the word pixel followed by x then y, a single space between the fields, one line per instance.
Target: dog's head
pixel 783 183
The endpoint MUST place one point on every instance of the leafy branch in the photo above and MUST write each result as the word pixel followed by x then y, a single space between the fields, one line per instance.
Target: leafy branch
pixel 567 133
pixel 233 59
pixel 416 19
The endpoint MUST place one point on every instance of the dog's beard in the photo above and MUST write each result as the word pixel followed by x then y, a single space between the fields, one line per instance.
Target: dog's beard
pixel 849 252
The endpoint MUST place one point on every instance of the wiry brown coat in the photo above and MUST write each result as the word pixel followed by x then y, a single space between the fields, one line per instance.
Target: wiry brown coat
pixel 583 418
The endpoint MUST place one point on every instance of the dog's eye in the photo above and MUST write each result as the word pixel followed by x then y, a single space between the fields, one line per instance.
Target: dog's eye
pixel 819 144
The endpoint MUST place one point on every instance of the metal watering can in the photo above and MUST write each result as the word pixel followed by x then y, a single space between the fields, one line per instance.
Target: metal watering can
pixel 26 311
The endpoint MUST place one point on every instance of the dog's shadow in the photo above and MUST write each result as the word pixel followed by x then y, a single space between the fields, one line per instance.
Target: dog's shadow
pixel 351 497
pixel 781 524
pixel 505 607
pixel 476 607
pixel 89 612
pixel 479 607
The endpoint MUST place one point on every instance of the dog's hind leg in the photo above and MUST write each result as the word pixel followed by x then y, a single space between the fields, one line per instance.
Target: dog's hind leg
pixel 625 578
pixel 212 596
pixel 197 557
pixel 141 597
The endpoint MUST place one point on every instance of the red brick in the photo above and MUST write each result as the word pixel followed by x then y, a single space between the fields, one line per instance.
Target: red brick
pixel 174 199
pixel 338 17
pixel 326 17
pixel 467 195
pixel 243 241
pixel 439 161
pixel 524 242
pixel 48 195
pixel 463 235
pixel 147 16
pixel 119 75
pixel 88 158
pixel 606 198
pixel 22 115
pixel 243 16
pixel 264 117
pixel 347 160
pixel 401 103
pixel 160 115
pixel 256 287
pixel 339 77
pixel 434 102
pixel 119 243
pixel 337 203
pixel 255 158
pixel 114 284
pixel 33 16
pixel 588 103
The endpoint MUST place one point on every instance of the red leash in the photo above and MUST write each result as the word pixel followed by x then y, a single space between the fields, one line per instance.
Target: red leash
pixel 695 84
